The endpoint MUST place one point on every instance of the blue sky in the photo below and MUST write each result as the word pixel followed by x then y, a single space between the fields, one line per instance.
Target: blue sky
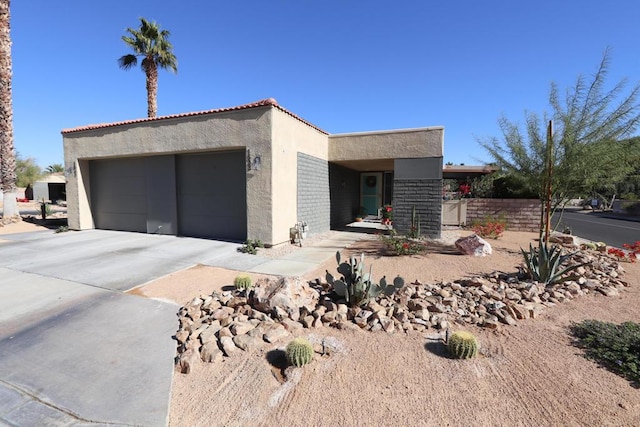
pixel 344 65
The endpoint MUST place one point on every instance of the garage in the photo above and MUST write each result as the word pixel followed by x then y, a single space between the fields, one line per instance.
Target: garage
pixel 196 195
pixel 212 195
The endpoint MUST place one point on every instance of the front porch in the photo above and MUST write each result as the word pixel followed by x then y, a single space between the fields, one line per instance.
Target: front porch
pixel 369 223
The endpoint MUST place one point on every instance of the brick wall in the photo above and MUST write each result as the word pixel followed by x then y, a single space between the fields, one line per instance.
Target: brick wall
pixel 423 194
pixel 521 214
pixel 313 193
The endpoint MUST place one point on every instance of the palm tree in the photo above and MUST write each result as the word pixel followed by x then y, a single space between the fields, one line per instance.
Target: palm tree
pixel 55 168
pixel 152 44
pixel 7 149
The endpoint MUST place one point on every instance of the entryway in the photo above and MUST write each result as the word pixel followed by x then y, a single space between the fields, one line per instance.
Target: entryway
pixel 371 192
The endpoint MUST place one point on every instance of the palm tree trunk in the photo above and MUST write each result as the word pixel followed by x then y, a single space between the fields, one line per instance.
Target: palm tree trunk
pixel 152 89
pixel 7 150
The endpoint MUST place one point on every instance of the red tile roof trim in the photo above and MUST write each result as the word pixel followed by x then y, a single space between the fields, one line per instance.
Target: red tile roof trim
pixel 262 103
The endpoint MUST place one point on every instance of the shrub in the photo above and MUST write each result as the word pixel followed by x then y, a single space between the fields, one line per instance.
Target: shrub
pixel 489 227
pixel 62 229
pixel 251 247
pixel 543 264
pixel 356 286
pixel 462 345
pixel 399 246
pixel 242 283
pixel 299 352
pixel 616 347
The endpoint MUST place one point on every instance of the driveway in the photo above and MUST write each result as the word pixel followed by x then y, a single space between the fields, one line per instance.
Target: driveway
pixel 76 350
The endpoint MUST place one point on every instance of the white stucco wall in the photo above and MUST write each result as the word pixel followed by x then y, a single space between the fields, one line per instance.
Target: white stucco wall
pixel 290 136
pixel 40 191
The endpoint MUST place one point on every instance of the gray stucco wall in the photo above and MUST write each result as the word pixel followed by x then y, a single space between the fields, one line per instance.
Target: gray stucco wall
pixel 418 184
pixel 344 186
pixel 313 197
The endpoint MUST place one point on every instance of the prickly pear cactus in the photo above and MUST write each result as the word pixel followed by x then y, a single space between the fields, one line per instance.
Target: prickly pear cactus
pixel 358 287
pixel 299 352
pixel 242 283
pixel 462 345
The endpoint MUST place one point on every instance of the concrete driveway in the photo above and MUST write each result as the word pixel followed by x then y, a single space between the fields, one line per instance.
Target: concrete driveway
pixel 76 350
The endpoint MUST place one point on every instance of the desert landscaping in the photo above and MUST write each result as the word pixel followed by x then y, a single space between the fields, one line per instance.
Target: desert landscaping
pixel 527 372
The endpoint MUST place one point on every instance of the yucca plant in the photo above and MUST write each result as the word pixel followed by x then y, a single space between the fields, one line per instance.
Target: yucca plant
pixel 543 264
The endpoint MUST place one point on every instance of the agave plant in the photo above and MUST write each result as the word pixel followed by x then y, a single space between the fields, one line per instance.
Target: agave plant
pixel 356 286
pixel 543 264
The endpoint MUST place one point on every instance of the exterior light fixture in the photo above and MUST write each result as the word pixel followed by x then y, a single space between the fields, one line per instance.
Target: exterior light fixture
pixel 253 163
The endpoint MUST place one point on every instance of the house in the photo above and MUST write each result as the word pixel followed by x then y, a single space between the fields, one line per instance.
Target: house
pixel 50 188
pixel 463 173
pixel 247 172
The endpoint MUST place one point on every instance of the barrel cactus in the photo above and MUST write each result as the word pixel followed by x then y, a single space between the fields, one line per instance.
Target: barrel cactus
pixel 299 352
pixel 462 345
pixel 242 283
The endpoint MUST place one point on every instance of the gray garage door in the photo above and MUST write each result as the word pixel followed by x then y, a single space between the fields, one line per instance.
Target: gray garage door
pixel 212 195
pixel 198 195
pixel 119 194
pixel 135 194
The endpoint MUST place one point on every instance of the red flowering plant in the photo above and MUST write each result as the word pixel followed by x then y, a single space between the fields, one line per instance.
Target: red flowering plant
pixel 465 190
pixel 402 245
pixel 631 253
pixel 387 215
pixel 490 227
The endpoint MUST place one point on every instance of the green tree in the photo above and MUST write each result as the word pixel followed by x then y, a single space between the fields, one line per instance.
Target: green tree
pixel 7 149
pixel 55 168
pixel 151 44
pixel 584 152
pixel 629 186
pixel 27 171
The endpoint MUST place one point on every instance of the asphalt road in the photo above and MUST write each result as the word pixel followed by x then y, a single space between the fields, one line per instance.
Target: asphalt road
pixel 597 227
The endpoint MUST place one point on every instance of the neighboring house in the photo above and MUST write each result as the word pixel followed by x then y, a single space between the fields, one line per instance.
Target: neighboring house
pixel 463 173
pixel 50 188
pixel 247 172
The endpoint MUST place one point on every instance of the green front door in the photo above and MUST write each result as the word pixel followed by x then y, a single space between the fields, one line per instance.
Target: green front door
pixel 371 192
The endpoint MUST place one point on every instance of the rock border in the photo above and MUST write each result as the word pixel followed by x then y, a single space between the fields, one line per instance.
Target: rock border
pixel 226 323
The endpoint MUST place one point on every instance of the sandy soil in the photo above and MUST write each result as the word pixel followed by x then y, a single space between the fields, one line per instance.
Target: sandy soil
pixel 24 226
pixel 20 227
pixel 527 375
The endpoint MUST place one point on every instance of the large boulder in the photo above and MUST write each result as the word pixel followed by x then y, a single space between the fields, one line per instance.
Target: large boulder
pixel 474 245
pixel 288 294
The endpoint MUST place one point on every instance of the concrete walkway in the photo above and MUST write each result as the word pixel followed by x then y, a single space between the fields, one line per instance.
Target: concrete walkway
pixel 75 350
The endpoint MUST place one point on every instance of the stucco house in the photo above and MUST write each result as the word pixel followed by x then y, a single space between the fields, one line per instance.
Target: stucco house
pixel 50 188
pixel 247 172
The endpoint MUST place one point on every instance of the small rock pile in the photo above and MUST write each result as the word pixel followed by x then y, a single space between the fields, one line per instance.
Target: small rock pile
pixel 10 220
pixel 224 323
